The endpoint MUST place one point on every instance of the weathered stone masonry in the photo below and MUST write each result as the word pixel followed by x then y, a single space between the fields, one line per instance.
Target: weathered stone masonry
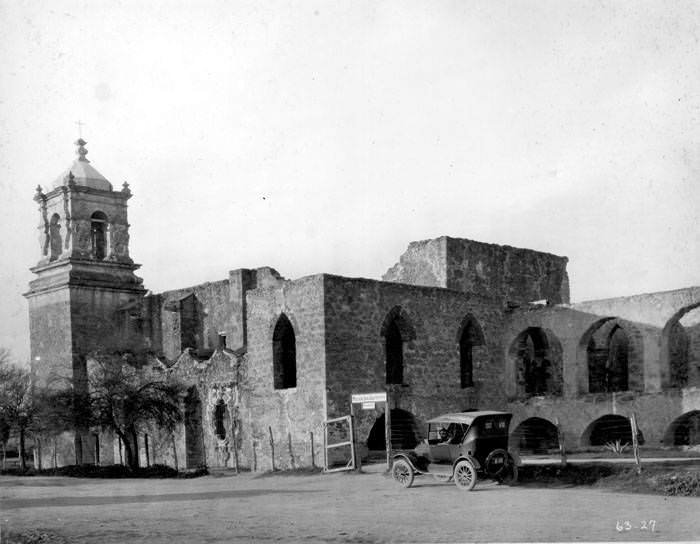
pixel 454 325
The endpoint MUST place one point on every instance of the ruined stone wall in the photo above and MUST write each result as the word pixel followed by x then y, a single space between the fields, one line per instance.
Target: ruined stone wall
pixel 504 272
pixel 355 311
pixel 292 414
pixel 656 314
pixel 212 314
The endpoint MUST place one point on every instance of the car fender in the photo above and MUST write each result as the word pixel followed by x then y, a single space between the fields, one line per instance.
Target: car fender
pixel 412 459
pixel 469 458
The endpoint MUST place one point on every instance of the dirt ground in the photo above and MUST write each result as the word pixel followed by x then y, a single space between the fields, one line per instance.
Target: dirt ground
pixel 342 507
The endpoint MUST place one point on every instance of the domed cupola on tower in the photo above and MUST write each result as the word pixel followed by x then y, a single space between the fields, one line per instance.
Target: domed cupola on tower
pixel 84 275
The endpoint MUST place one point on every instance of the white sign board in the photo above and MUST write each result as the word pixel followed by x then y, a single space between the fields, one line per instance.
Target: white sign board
pixel 370 397
pixel 368 406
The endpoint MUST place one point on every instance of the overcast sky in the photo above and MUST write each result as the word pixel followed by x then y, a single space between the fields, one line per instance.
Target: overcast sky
pixel 325 136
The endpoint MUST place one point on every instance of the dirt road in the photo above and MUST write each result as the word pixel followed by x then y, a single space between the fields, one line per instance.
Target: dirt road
pixel 333 508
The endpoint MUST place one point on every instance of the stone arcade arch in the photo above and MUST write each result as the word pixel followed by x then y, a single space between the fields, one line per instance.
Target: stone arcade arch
pixel 680 347
pixel 609 428
pixel 194 434
pixel 613 357
pixel 470 338
pixel 684 430
pixel 537 354
pixel 536 435
pixel 404 431
pixel 396 330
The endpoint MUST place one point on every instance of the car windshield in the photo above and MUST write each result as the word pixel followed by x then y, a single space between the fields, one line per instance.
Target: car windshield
pixel 451 433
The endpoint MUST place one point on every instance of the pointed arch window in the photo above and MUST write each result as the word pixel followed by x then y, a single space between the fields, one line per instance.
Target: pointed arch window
pixel 98 235
pixel 284 354
pixel 471 337
pixel 396 330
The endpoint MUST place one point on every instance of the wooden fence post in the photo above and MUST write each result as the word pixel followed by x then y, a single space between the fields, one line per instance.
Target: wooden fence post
pixel 560 440
pixel 313 458
pixel 291 451
pixel 635 442
pixel 387 430
pixel 272 449
pixel 255 457
pixel 355 456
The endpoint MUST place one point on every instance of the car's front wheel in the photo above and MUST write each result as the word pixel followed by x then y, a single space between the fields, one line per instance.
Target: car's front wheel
pixel 465 475
pixel 402 472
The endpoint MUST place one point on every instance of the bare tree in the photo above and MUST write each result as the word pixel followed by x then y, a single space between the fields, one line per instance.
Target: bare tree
pixel 17 407
pixel 126 397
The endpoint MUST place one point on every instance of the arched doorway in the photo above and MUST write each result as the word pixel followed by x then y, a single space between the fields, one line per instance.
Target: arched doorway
pixel 609 429
pixel 536 435
pixel 194 436
pixel 684 431
pixel 404 431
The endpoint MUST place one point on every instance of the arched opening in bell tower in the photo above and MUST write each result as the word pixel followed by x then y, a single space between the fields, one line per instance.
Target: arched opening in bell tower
pixel 98 235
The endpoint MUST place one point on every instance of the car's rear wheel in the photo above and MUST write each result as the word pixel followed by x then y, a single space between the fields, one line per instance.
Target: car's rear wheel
pixel 402 472
pixel 510 475
pixel 465 475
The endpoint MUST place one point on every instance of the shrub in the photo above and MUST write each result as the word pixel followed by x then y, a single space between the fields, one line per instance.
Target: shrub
pixel 685 484
pixel 616 447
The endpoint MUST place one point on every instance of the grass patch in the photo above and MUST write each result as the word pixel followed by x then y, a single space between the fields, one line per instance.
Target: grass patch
pixel 658 480
pixel 301 471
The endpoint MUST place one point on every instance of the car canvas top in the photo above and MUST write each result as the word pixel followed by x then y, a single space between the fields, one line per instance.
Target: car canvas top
pixel 465 417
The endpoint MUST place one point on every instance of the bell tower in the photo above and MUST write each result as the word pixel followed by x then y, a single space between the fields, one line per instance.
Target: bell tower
pixel 84 275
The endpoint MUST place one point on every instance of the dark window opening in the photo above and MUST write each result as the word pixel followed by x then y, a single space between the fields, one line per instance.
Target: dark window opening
pixel 534 367
pixel 220 420
pixel 470 338
pixel 608 360
pixel 394 354
pixel 98 235
pixel 284 354
pixel 222 341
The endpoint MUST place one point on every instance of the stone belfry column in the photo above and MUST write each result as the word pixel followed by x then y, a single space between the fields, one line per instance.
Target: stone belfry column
pixel 84 276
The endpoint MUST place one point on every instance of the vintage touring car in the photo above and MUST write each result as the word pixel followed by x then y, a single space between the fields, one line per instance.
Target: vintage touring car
pixel 461 447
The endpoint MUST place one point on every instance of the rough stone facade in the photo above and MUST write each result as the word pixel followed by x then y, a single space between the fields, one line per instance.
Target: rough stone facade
pixel 455 325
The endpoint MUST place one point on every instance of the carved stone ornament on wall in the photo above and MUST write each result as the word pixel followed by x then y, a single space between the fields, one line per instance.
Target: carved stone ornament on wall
pixel 120 241
pixel 82 238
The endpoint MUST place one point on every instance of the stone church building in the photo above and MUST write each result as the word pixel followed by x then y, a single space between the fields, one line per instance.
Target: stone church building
pixel 455 325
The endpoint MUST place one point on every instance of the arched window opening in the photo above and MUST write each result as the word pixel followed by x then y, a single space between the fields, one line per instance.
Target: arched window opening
pixel 284 354
pixel 470 338
pixel 538 358
pixel 396 330
pixel 608 359
pixel 98 235
pixel 220 419
pixel 55 242
pixel 618 360
pixel 394 354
